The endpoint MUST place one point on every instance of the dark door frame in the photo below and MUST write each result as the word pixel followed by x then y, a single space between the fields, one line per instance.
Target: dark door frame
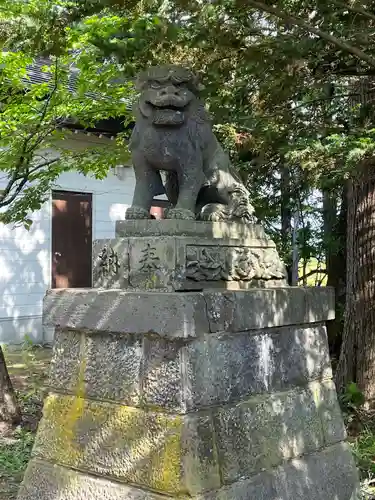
pixel 55 193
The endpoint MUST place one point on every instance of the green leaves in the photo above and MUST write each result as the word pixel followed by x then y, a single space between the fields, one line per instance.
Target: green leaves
pixel 275 87
pixel 34 146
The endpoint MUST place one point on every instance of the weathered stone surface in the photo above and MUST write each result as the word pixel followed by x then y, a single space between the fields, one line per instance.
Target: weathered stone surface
pixel 112 367
pixel 327 475
pixel 260 487
pixel 187 375
pixel 186 314
pixel 110 258
pixel 161 374
pixel 328 406
pixel 237 263
pixel 102 366
pixel 319 302
pixel 221 368
pixel 261 434
pixel 44 481
pixel 66 361
pixel 168 314
pixel 152 263
pixel 200 464
pixel 229 257
pixel 299 355
pixel 171 454
pixel 246 233
pixel 236 311
pixel 228 355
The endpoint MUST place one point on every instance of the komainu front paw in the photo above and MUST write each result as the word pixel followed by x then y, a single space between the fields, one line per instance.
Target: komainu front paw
pixel 136 213
pixel 179 213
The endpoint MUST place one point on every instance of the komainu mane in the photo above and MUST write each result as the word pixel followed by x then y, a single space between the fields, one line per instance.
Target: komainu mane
pixel 173 133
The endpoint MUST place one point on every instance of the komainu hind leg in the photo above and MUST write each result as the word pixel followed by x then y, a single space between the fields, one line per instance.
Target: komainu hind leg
pixel 238 209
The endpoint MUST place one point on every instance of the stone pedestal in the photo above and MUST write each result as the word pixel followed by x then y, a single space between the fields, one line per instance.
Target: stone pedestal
pixel 210 395
pixel 168 255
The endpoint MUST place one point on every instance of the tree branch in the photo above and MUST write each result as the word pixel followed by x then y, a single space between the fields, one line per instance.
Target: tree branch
pixel 26 152
pixel 15 194
pixel 15 176
pixel 47 163
pixel 45 107
pixel 25 178
pixel 357 10
pixel 4 201
pixel 312 29
pixel 305 104
pixel 322 99
pixel 40 139
pixel 311 273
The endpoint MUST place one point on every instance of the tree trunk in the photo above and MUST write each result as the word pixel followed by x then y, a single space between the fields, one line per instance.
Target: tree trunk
pixel 329 222
pixel 295 250
pixel 357 358
pixel 335 241
pixel 286 219
pixel 10 411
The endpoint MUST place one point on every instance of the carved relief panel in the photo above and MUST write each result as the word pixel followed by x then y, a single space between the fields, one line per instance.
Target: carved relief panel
pixel 228 263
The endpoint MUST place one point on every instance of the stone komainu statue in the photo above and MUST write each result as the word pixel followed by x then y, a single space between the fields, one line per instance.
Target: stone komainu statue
pixel 173 133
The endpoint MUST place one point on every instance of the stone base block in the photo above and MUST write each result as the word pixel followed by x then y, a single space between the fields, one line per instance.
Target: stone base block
pixel 192 453
pixel 186 375
pixel 200 395
pixel 325 475
pixel 186 315
pixel 186 255
pixel 172 454
pixel 46 481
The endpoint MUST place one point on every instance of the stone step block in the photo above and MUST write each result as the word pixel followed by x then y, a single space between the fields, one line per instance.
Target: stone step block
pixel 182 454
pixel 223 368
pixel 46 481
pixel 201 395
pixel 325 397
pixel 183 375
pixel 325 475
pixel 186 315
pixel 329 474
pixel 173 454
pixel 264 432
pixel 215 231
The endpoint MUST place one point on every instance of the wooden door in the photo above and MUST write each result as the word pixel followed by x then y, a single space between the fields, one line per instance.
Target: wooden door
pixel 71 239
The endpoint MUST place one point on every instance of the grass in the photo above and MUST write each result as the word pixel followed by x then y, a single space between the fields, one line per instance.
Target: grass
pixel 362 440
pixel 360 425
pixel 28 367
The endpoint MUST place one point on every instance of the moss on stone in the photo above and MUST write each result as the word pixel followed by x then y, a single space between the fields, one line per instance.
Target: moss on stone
pixel 127 443
pixel 167 463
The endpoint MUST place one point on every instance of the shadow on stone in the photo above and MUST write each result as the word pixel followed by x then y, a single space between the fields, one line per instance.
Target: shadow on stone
pixel 223 395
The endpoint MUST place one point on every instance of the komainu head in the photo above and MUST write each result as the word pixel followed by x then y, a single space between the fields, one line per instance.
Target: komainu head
pixel 168 94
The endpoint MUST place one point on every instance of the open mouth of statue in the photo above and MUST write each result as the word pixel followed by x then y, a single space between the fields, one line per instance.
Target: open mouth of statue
pixel 170 107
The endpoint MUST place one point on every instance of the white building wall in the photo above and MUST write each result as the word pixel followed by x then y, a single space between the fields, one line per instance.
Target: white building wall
pixel 25 256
